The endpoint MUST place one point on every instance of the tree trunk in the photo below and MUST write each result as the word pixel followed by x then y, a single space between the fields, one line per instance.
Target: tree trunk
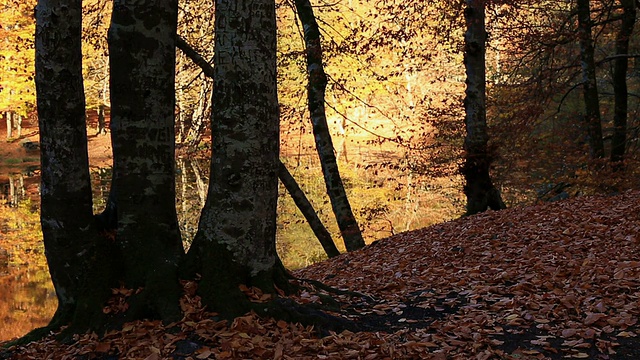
pixel 235 242
pixel 194 135
pixel 301 201
pixel 316 89
pixel 142 40
pixel 590 86
pixel 182 112
pixel 479 189
pixel 66 203
pixel 8 116
pixel 621 65
pixel 102 125
pixel 18 121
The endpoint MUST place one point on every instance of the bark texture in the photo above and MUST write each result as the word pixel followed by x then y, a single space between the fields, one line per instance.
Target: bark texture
pixel 235 242
pixel 142 40
pixel 66 203
pixel 479 189
pixel 592 119
pixel 347 223
pixel 620 67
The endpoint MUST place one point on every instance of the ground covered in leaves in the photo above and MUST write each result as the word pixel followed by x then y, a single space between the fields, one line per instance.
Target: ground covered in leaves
pixel 550 281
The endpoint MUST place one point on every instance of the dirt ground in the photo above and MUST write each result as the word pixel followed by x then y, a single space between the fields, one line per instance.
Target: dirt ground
pixel 17 156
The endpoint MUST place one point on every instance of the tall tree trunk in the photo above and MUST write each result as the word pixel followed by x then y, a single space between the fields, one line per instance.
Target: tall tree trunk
pixel 66 202
pixel 621 66
pixel 301 201
pixel 479 189
pixel 316 89
pixel 590 87
pixel 235 242
pixel 142 40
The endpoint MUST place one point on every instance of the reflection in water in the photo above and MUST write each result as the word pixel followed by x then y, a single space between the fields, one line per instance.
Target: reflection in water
pixel 27 300
pixel 191 192
pixel 27 297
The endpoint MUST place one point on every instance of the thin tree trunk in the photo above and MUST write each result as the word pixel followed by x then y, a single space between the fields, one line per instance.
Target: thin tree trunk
pixel 479 189
pixel 102 125
pixel 181 116
pixel 194 135
pixel 143 135
pixel 590 87
pixel 18 121
pixel 621 65
pixel 316 89
pixel 8 116
pixel 308 211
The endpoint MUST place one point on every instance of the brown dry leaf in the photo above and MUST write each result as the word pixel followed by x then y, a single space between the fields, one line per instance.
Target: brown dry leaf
pixel 592 318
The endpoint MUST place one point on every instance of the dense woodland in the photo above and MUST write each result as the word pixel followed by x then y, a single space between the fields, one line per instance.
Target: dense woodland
pixel 392 114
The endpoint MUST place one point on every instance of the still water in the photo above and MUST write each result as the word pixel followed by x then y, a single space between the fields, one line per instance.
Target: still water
pixel 27 297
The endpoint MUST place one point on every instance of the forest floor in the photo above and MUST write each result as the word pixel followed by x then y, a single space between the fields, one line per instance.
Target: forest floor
pixel 549 281
pixel 20 153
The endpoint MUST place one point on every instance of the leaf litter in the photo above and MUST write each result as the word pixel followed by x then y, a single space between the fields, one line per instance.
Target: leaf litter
pixel 548 281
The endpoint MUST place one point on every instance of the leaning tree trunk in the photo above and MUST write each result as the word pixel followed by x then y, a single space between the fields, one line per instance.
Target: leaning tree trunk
pixel 590 88
pixel 66 202
pixel 235 242
pixel 142 40
pixel 621 65
pixel 316 89
pixel 309 213
pixel 479 189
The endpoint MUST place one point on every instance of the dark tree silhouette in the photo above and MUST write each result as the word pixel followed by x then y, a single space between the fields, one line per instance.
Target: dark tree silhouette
pixel 480 191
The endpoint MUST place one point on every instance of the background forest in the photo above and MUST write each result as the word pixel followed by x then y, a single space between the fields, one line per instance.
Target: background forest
pixel 394 103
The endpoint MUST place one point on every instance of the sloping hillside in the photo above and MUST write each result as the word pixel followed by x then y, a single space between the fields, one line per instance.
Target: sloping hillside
pixel 559 279
pixel 554 280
